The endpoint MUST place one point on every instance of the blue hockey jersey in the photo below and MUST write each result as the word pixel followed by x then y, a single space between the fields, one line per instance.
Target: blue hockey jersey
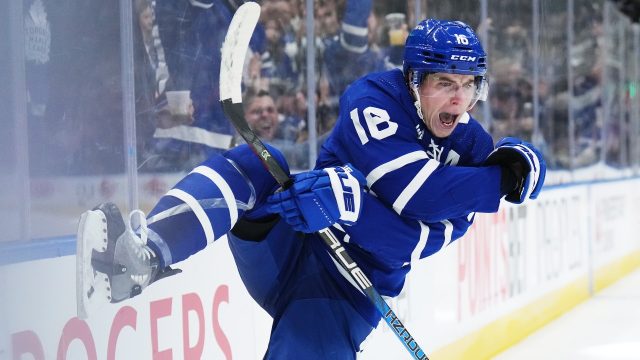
pixel 424 190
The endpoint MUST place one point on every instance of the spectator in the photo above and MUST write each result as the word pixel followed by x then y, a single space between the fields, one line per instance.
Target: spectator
pixel 279 64
pixel 392 39
pixel 279 130
pixel 511 102
pixel 263 117
pixel 193 32
pixel 328 23
pixel 151 78
pixel 346 55
pixel 152 45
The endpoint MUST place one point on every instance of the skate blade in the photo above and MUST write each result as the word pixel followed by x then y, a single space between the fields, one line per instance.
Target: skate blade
pixel 93 289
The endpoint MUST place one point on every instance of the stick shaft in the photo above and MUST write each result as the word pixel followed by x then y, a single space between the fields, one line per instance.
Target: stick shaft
pixel 338 252
pixel 233 52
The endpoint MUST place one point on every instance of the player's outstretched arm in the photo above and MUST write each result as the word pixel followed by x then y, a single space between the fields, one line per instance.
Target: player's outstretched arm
pixel 417 180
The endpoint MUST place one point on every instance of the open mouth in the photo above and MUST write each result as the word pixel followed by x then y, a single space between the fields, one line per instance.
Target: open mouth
pixel 448 119
pixel 264 125
pixel 263 128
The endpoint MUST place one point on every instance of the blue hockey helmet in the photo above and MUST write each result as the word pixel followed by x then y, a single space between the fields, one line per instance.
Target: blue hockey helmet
pixel 443 46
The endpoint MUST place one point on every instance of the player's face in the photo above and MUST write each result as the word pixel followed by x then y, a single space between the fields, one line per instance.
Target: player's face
pixel 262 117
pixel 444 98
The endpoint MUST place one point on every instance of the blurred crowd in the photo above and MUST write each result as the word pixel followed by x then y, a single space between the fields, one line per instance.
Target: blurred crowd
pixel 177 57
pixel 545 86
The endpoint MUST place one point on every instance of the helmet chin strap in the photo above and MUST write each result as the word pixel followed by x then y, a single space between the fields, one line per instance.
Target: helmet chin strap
pixel 417 103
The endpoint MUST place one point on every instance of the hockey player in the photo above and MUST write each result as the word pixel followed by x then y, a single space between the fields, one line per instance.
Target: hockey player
pixel 420 167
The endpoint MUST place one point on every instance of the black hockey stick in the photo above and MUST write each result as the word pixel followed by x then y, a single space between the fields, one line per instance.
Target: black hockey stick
pixel 233 54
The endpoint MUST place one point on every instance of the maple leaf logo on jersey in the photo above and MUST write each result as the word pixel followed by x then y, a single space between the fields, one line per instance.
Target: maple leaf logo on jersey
pixel 436 151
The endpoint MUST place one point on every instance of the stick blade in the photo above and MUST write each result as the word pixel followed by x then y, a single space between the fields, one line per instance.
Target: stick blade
pixel 234 50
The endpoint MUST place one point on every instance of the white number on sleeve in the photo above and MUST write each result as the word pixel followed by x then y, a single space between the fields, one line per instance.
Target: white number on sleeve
pixel 378 123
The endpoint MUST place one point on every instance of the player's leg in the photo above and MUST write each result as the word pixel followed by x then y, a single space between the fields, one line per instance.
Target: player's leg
pixel 318 328
pixel 266 261
pixel 209 201
pixel 314 318
pixel 116 261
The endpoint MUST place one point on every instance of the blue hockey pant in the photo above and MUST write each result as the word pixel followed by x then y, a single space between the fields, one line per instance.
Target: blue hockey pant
pixel 312 316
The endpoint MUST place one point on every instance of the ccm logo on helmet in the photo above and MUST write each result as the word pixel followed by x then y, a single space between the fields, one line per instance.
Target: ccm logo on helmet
pixel 463 57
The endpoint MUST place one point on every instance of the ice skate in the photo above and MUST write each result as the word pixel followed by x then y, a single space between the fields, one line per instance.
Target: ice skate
pixel 113 263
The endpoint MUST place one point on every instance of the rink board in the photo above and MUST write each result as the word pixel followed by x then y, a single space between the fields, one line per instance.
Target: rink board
pixel 512 273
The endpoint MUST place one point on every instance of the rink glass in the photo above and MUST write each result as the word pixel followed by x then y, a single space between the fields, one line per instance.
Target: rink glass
pixel 85 112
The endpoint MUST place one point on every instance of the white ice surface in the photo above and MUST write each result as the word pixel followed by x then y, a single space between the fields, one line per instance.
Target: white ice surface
pixel 605 327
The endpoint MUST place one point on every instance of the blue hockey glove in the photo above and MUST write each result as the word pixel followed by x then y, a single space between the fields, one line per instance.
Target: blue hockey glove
pixel 320 198
pixel 526 163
